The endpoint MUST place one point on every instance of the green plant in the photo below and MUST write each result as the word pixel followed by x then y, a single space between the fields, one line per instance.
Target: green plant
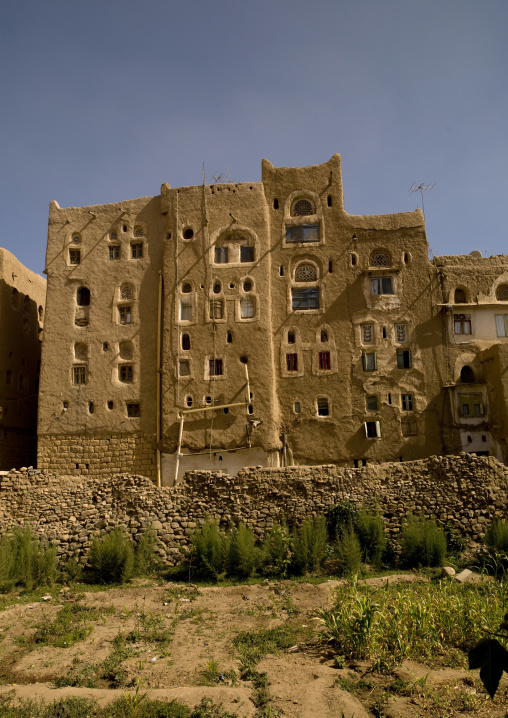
pixel 340 517
pixel 348 552
pixel 254 645
pixel 496 537
pixel 25 562
pixel 244 556
pixel 308 543
pixel 371 533
pixel 70 626
pixel 145 558
pixel 423 543
pixel 111 557
pixel 209 550
pixel 277 550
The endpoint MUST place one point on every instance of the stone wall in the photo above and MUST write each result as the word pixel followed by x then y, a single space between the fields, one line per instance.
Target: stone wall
pixel 465 490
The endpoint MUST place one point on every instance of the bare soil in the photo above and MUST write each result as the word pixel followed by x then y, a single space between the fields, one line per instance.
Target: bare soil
pixel 176 641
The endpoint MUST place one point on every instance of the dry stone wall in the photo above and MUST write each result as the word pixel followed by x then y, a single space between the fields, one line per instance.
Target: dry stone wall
pixel 465 490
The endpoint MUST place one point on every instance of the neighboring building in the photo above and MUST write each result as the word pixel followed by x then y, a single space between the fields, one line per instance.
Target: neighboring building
pixel 281 328
pixel 22 302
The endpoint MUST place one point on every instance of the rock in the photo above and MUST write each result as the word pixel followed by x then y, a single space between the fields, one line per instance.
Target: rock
pixel 464 576
pixel 447 572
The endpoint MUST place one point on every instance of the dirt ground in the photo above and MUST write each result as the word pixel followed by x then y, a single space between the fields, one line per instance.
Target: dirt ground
pixel 176 641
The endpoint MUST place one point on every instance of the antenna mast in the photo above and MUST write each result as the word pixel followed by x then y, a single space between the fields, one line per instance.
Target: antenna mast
pixel 421 188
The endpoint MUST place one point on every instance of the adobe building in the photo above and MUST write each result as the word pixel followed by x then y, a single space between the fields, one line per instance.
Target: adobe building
pixel 22 302
pixel 240 324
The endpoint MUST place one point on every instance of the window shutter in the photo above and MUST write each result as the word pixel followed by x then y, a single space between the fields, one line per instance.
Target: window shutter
pixel 366 430
pixel 378 429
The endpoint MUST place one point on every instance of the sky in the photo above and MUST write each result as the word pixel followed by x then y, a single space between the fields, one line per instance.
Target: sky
pixel 104 101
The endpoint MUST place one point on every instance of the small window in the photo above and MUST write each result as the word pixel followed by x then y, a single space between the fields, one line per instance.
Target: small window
pixel 229 338
pixel 467 375
pixel 306 273
pixel 292 362
pixel 281 270
pixel 291 337
pixel 383 331
pixel 403 359
pixel 217 288
pixel 247 308
pixel 330 266
pixel 188 233
pixel 409 427
pixel 216 309
pixel 137 250
pixel 460 296
pixel 125 350
pixel 41 313
pixel 247 286
pixel 126 291
pixel 185 311
pixel 76 238
pixel 324 361
pixel 381 285
pixel 502 293
pixel 369 361
pixel 246 254
pixel 215 367
pixel 114 251
pixel 105 346
pixel 188 401
pixel 139 232
pixel 407 402
pixel 367 333
pixel 125 372
pixel 133 411
pixel 372 429
pixel 208 400
pixel 324 336
pixel 302 233
pixel 400 333
pixel 186 288
pixel 380 258
pixel 302 208
pixel 65 405
pixel 372 403
pixel 354 260
pixel 462 324
pixel 185 342
pixel 79 374
pixel 81 351
pixel 304 299
pixel 90 407
pixel 113 234
pixel 471 405
pixel 221 255
pixel 502 325
pixel 329 200
pixel 83 297
pixel 110 405
pixel 276 203
pixel 124 314
pixel 323 408
pixel 297 407
pixel 74 256
pixel 184 368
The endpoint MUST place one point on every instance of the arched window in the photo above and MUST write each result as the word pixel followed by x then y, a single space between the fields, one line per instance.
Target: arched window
pixel 126 291
pixel 380 258
pixel 467 375
pixel 502 293
pixel 306 273
pixel 291 337
pixel 138 231
pixel 125 350
pixel 83 297
pixel 460 296
pixel 324 335
pixel 15 298
pixel 186 288
pixel 302 208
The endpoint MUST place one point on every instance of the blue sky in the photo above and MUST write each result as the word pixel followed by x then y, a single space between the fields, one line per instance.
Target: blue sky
pixel 104 101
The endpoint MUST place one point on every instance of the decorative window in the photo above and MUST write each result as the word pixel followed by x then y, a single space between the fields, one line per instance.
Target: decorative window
pixel 324 336
pixel 221 255
pixel 471 405
pixel 137 250
pixel 380 258
pixel 292 362
pixel 303 299
pixel 367 333
pixel 381 285
pixel 138 231
pixel 184 368
pixel 83 297
pixel 125 350
pixel 247 308
pixel 400 333
pixel 185 310
pixel 113 234
pixel 372 429
pixel 74 256
pixel 125 372
pixel 369 361
pixel 502 325
pixel 81 351
pixel 185 342
pixel 324 361
pixel 216 309
pixel 291 337
pixel 124 314
pixel 133 411
pixel 76 239
pixel 302 208
pixel 126 291
pixel 404 359
pixel 215 367
pixel 407 402
pixel 460 296
pixel 114 251
pixel 409 427
pixel 462 324
pixel 502 293
pixel 79 374
pixel 323 406
pixel 186 288
pixel 302 233
pixel 372 403
pixel 246 254
pixel 306 273
pixel 467 375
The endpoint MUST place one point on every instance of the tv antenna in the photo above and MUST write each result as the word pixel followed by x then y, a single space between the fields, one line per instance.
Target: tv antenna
pixel 421 188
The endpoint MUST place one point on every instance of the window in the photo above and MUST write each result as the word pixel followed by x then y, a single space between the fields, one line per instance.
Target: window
pixel 409 427
pixel 380 258
pixel 41 314
pixel 305 298
pixel 467 375
pixel 188 401
pixel 460 296
pixel 124 314
pixel 367 333
pixel 302 233
pixel 125 350
pixel 138 231
pixel 184 368
pixel 133 411
pixel 221 255
pixel 291 337
pixel 185 342
pixel 188 233
pixel 126 291
pixel 372 403
pixel 381 285
pixel 185 310
pixel 79 374
pixel 110 405
pixel 113 234
pixel 246 254
pixel 74 256
pixel 403 359
pixel 186 288
pixel 292 362
pixel 324 361
pixel 114 251
pixel 369 361
pixel 216 309
pixel 323 408
pixel 502 293
pixel 24 383
pixel 137 250
pixel 372 429
pixel 502 325
pixel 229 337
pixel 297 407
pixel 400 333
pixel 462 324
pixel 247 308
pixel 306 273
pixel 302 208
pixel 83 297
pixel 215 367
pixel 407 402
pixel 81 351
pixel 125 372
pixel 247 285
pixel 471 405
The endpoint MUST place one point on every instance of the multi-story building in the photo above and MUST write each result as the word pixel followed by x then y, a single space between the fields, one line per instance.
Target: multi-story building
pixel 22 302
pixel 239 324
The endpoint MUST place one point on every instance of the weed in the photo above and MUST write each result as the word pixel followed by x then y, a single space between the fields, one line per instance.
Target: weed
pixel 25 562
pixel 112 557
pixel 277 551
pixel 308 543
pixel 209 550
pixel 254 645
pixel 496 537
pixel 371 533
pixel 70 626
pixel 145 559
pixel 349 553
pixel 244 557
pixel 340 517
pixel 423 543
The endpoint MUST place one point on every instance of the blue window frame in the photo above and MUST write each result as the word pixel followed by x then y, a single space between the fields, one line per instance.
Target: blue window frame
pixel 307 298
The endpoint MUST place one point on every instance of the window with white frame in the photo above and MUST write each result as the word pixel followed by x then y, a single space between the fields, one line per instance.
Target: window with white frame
pixel 323 406
pixel 125 314
pixel 184 367
pixel 407 402
pixel 247 308
pixel 381 285
pixel 221 255
pixel 372 429
pixel 462 324
pixel 369 361
pixel 79 374
pixel 186 310
pixel 216 309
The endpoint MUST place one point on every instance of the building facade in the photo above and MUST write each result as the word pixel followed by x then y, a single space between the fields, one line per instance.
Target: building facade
pixel 22 303
pixel 240 324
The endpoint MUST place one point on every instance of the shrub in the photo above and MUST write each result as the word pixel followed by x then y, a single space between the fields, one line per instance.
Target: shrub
pixel 209 550
pixel 423 543
pixel 340 517
pixel 309 543
pixel 349 552
pixel 244 556
pixel 496 536
pixel 145 559
pixel 25 562
pixel 277 550
pixel 111 557
pixel 371 533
